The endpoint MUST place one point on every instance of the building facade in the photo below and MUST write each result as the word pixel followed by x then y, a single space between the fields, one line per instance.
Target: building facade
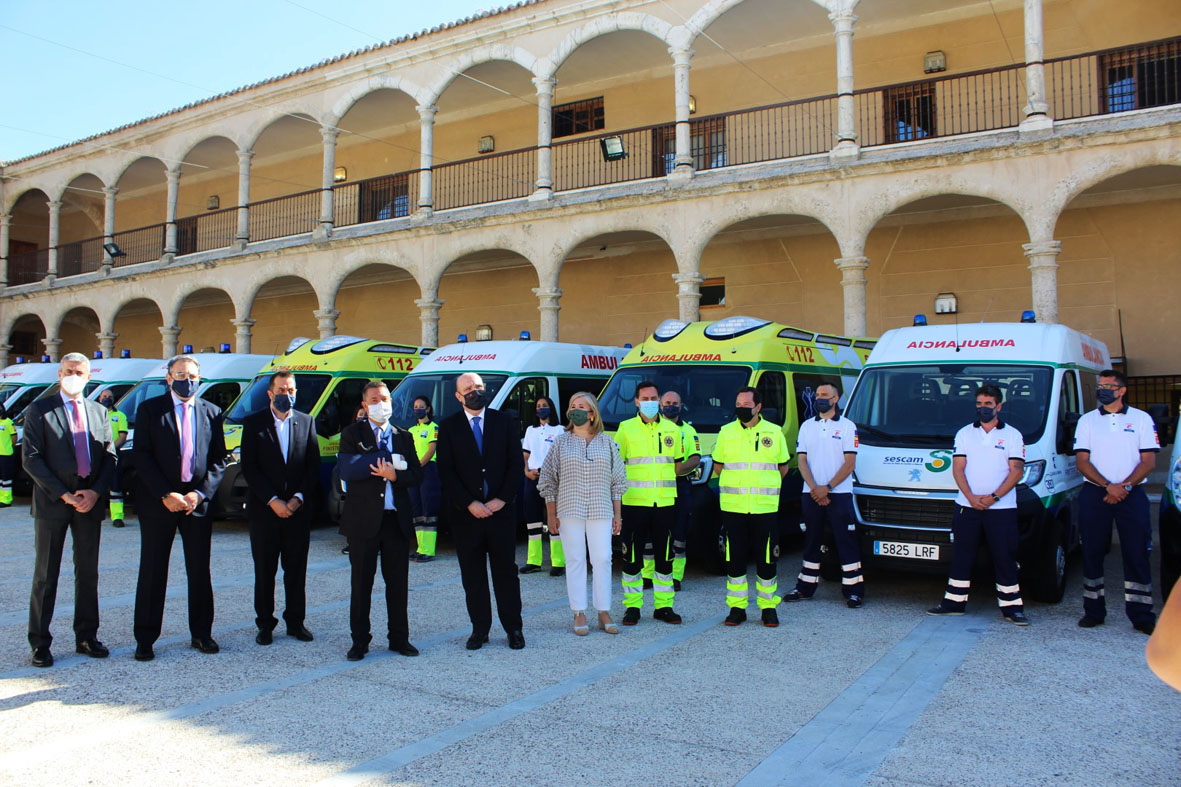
pixel 584 169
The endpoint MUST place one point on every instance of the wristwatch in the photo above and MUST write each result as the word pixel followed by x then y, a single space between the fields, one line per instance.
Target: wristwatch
pixel 1128 487
pixel 995 497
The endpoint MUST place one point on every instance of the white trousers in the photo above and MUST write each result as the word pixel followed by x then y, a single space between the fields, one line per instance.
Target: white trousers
pixel 577 536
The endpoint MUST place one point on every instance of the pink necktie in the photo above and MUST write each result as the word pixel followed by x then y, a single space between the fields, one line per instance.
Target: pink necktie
pixel 186 444
pixel 81 451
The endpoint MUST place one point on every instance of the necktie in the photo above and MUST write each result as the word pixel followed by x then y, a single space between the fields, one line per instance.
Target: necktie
pixel 186 444
pixel 479 433
pixel 81 450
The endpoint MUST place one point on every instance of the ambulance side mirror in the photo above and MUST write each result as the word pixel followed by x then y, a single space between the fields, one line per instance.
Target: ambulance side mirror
pixel 1066 427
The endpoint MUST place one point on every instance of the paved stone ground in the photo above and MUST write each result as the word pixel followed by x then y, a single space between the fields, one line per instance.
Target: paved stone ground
pixel 883 695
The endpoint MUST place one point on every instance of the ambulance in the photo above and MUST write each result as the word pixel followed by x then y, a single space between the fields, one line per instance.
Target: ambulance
pixel 706 363
pixel 329 377
pixel 117 375
pixel 21 383
pixel 919 388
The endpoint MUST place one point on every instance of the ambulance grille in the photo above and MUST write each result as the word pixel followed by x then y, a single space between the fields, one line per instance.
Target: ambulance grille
pixel 905 510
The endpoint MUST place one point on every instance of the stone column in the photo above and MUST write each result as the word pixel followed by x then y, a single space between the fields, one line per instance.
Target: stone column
pixel 54 349
pixel 106 343
pixel 1037 116
pixel 544 187
pixel 243 235
pixel 108 223
pixel 5 225
pixel 1043 268
pixel 55 213
pixel 683 157
pixel 327 180
pixel 549 307
pixel 853 285
pixel 242 334
pixel 846 146
pixel 327 322
pixel 4 350
pixel 689 295
pixel 426 199
pixel 173 176
pixel 170 334
pixel 429 314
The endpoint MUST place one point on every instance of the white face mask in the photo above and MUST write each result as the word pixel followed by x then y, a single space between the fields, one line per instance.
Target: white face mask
pixel 72 384
pixel 380 412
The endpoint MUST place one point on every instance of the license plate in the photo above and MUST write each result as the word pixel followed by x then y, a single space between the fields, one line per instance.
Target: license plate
pixel 906 550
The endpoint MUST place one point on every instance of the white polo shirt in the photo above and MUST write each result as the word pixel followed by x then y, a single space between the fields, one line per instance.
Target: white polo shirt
pixel 825 441
pixel 537 441
pixel 1115 440
pixel 987 454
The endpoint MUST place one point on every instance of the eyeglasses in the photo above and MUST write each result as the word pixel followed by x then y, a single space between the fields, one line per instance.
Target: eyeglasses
pixel 1112 387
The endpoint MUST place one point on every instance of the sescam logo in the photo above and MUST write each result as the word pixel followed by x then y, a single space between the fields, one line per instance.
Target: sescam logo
pixel 940 461
pixel 936 344
pixel 687 357
pixel 599 362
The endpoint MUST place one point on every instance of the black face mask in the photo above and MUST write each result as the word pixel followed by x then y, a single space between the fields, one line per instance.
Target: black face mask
pixel 1105 396
pixel 822 405
pixel 419 413
pixel 284 402
pixel 671 411
pixel 108 403
pixel 744 413
pixel 184 388
pixel 543 413
pixel 985 414
pixel 475 399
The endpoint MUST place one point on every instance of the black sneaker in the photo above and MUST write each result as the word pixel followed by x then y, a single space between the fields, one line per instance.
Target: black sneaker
pixel 647 583
pixel 631 616
pixel 421 558
pixel 736 617
pixel 414 557
pixel 118 523
pixel 770 618
pixel 1017 619
pixel 796 595
pixel 529 568
pixel 344 550
pixel 667 615
pixel 941 609
pixel 1145 626
pixel 853 602
pixel 557 571
pixel 1088 622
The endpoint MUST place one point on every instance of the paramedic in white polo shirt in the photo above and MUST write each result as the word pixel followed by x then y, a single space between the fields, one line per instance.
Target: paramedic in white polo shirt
pixel 1115 450
pixel 827 450
pixel 987 463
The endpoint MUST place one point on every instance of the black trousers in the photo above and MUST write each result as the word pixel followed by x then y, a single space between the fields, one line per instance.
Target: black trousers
pixel 50 537
pixel 480 543
pixel 998 526
pixel 274 540
pixel 391 544
pixel 156 534
pixel 644 525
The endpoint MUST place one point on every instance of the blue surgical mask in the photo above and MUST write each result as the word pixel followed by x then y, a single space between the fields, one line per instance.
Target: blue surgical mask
pixel 284 402
pixel 543 413
pixel 1105 395
pixel 184 388
pixel 671 411
pixel 985 414
pixel 822 405
pixel 419 413
pixel 649 409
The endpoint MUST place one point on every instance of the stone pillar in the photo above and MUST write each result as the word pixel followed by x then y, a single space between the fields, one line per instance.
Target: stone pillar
pixel 55 214
pixel 108 223
pixel 242 334
pixel 1037 116
pixel 689 295
pixel 4 350
pixel 5 225
pixel 327 180
pixel 683 157
pixel 170 334
pixel 54 348
pixel 429 314
pixel 846 146
pixel 327 322
pixel 426 145
pixel 173 176
pixel 853 285
pixel 544 187
pixel 549 307
pixel 1043 268
pixel 106 343
pixel 243 235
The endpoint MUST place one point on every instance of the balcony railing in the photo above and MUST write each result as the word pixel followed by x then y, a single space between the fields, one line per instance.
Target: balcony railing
pixel 1094 83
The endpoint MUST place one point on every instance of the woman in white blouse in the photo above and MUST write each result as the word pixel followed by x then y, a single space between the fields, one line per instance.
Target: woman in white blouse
pixel 583 481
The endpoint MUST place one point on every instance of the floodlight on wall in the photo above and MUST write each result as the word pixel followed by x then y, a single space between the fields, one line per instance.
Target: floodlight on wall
pixel 946 303
pixel 486 144
pixel 213 203
pixel 934 62
pixel 113 250
pixel 484 333
pixel 339 175
pixel 692 105
pixel 612 148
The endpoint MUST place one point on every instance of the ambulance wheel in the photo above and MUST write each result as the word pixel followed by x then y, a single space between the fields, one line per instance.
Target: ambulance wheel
pixel 1048 573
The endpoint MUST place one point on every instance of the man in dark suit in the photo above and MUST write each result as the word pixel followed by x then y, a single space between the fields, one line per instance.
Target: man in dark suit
pixel 180 455
pixel 480 469
pixel 378 464
pixel 70 457
pixel 281 465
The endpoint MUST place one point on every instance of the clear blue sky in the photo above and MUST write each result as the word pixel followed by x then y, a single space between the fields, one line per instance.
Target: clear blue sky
pixel 53 95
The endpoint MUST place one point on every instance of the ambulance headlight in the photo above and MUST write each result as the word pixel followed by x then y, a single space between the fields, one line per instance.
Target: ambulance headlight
pixel 1175 483
pixel 1033 473
pixel 236 455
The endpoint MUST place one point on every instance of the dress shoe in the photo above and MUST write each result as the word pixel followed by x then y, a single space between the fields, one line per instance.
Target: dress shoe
pixel 736 617
pixel 1017 619
pixel 423 558
pixel 476 641
pixel 42 657
pixel 796 595
pixel 557 571
pixel 1088 622
pixel 264 637
pixel 205 644
pixel 405 648
pixel 770 618
pixel 93 648
pixel 344 550
pixel 529 568
pixel 357 652
pixel 631 616
pixel 144 652
pixel 666 615
pixel 118 523
pixel 516 640
pixel 1145 626
pixel 941 609
pixel 300 632
pixel 414 556
pixel 853 602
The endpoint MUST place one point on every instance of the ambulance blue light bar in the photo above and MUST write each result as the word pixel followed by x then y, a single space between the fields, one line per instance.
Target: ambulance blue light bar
pixel 295 344
pixel 225 348
pixel 525 336
pixel 733 326
pixel 20 359
pixel 1028 316
pixel 669 329
pixel 125 353
pixel 334 343
pixel 627 346
pixel 795 333
pixel 920 319
pixel 462 338
pixel 44 359
pixel 98 355
pixel 188 348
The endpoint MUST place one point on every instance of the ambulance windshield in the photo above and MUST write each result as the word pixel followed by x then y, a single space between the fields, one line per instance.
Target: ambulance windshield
pixel 928 404
pixel 707 392
pixel 308 388
pixel 440 390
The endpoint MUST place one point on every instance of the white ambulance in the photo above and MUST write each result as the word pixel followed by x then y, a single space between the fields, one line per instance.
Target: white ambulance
pixel 918 389
pixel 21 383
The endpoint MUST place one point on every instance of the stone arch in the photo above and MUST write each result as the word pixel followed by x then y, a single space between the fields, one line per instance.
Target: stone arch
pixel 281 306
pixel 186 291
pixel 212 317
pixel 255 129
pixel 714 9
pixel 77 330
pixel 487 284
pixel 385 81
pixel 330 288
pixel 807 207
pixel 1103 167
pixel 61 184
pixel 375 298
pixel 136 319
pixel 26 317
pixel 638 22
pixel 487 54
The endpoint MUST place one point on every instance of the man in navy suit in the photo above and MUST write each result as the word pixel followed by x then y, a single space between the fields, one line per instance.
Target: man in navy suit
pixel 480 469
pixel 180 455
pixel 281 465
pixel 70 457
